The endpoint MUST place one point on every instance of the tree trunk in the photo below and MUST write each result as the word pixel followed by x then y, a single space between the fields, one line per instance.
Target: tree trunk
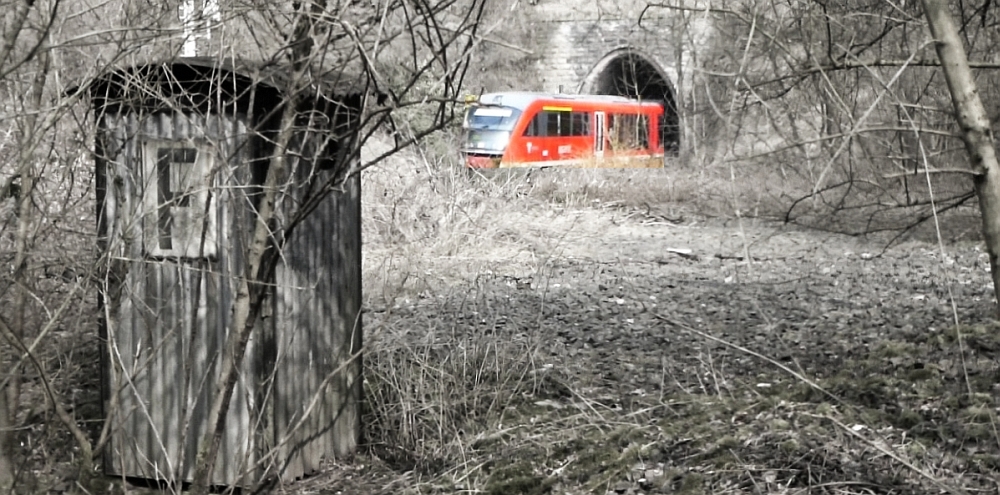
pixel 25 172
pixel 23 247
pixel 246 309
pixel 974 124
pixel 12 28
pixel 260 261
pixel 6 448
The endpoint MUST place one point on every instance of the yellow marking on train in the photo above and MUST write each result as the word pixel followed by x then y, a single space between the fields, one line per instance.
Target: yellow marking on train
pixel 557 109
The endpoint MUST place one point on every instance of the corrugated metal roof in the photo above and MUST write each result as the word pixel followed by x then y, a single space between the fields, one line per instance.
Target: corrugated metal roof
pixel 198 82
pixel 336 81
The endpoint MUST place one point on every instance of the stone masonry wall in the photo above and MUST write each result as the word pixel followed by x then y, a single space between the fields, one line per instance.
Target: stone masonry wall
pixel 576 47
pixel 582 34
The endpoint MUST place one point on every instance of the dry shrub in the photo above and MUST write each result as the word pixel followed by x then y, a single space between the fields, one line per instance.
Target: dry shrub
pixel 699 189
pixel 422 211
pixel 429 389
pixel 428 221
pixel 430 393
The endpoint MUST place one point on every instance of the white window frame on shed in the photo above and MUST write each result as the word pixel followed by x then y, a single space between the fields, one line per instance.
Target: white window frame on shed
pixel 179 200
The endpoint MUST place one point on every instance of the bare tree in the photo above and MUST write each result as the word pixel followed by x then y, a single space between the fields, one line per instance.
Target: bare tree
pixel 974 124
pixel 413 53
pixel 23 52
pixel 842 108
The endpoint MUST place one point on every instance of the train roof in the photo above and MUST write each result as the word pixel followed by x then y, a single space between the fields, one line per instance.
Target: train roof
pixel 521 100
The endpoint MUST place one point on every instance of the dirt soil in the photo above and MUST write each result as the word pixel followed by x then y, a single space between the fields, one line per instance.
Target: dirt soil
pixel 690 355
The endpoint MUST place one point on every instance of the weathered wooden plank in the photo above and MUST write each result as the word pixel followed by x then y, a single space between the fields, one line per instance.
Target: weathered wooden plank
pixel 315 318
pixel 171 296
pixel 171 322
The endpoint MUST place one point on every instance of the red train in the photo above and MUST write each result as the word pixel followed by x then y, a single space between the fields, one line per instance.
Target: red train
pixel 556 130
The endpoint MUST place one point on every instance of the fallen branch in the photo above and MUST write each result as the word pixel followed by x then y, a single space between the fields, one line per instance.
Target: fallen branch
pixel 744 350
pixel 684 253
pixel 938 483
pixel 931 171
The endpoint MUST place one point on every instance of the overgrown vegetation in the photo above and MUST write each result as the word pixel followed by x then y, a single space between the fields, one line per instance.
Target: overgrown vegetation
pixel 512 347
pixel 484 374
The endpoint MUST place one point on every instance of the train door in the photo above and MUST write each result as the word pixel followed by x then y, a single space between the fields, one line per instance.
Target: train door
pixel 599 135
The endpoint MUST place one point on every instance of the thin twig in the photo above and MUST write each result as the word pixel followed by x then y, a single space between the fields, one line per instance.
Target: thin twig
pixel 909 465
pixel 744 350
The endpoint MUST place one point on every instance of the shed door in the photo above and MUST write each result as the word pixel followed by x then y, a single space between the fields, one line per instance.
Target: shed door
pixel 180 212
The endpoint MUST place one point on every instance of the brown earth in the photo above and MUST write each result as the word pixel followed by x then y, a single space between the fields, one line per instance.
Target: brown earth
pixel 645 350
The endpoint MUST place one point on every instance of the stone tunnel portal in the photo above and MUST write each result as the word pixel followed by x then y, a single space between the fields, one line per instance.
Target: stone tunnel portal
pixel 627 73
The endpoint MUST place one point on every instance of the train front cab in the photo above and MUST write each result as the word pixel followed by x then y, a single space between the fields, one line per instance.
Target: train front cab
pixel 488 129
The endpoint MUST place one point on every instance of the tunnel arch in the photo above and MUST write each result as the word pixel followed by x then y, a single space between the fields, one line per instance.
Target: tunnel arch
pixel 627 72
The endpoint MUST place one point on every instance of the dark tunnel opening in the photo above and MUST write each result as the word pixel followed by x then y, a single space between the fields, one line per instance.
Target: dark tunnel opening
pixel 633 76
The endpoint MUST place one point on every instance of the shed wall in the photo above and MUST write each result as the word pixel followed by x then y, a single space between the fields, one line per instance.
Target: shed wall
pixel 317 328
pixel 167 317
pixel 169 304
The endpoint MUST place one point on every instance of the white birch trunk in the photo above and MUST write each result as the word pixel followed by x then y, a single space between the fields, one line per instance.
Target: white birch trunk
pixel 974 124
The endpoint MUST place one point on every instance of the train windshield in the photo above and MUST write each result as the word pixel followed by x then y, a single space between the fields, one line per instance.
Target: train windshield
pixel 493 118
pixel 488 128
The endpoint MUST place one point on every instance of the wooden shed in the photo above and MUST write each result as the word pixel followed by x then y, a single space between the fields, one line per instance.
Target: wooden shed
pixel 182 151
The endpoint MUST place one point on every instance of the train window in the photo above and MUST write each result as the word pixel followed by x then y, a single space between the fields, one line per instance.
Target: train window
pixel 642 131
pixel 533 126
pixel 628 131
pixel 554 127
pixel 558 123
pixel 491 117
pixel 581 124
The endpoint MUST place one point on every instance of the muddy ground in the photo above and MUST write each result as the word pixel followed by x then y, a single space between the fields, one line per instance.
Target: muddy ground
pixel 673 354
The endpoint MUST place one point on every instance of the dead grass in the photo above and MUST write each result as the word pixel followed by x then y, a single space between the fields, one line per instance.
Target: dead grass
pixel 426 218
pixel 479 404
pixel 466 406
